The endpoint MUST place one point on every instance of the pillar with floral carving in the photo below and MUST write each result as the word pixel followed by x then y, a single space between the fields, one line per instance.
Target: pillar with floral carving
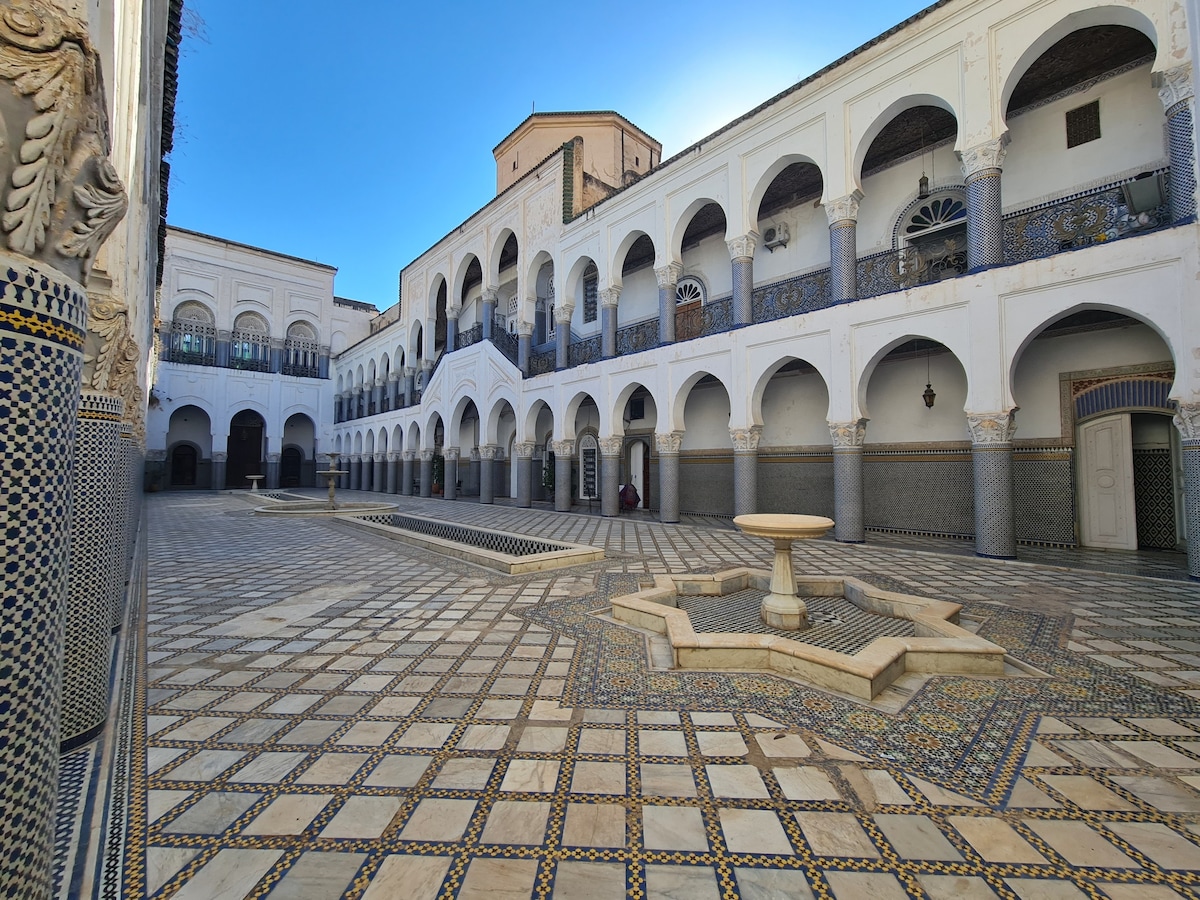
pixel 427 473
pixel 407 460
pixel 668 281
pixel 991 457
pixel 564 453
pixel 487 472
pixel 745 469
pixel 842 215
pixel 610 475
pixel 523 460
pixel 1177 93
pixel 848 440
pixel 450 472
pixel 981 167
pixel 668 446
pixel 741 256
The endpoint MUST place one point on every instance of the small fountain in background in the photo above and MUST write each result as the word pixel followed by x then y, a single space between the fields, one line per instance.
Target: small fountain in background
pixel 332 474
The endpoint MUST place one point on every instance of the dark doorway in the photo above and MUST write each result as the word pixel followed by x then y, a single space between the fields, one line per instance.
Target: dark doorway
pixel 289 467
pixel 183 466
pixel 245 448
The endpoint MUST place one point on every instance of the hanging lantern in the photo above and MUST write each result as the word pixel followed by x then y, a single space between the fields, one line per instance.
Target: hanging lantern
pixel 929 396
pixel 923 187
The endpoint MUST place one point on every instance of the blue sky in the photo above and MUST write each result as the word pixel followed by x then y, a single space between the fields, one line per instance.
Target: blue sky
pixel 359 134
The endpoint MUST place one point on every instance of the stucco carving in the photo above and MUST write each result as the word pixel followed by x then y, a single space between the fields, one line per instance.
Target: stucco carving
pixel 1187 420
pixel 742 247
pixel 393 456
pixel 745 440
pixel 525 329
pixel 490 451
pixel 523 449
pixel 1174 85
pixel 111 357
pixel 563 313
pixel 843 209
pixel 992 428
pixel 986 157
pixel 427 456
pixel 609 297
pixel 62 197
pixel 848 434
pixel 411 455
pixel 452 453
pixel 611 446
pixel 563 448
pixel 669 274
pixel 668 443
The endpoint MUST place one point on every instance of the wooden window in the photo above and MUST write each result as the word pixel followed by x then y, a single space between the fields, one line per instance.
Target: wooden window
pixel 1083 124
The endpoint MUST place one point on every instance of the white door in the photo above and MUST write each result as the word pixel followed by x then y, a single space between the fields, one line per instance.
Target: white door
pixel 637 451
pixel 1107 517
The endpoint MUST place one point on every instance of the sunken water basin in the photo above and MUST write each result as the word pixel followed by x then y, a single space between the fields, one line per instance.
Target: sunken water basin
pixel 933 645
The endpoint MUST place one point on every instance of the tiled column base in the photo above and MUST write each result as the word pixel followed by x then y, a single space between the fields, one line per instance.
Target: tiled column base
pixel 523 460
pixel 219 459
pixel 450 488
pixel 1182 150
pixel 355 473
pixel 745 482
pixel 95 579
pixel 272 472
pixel 42 325
pixel 473 469
pixel 393 473
pixel 487 473
pixel 608 331
pixel 127 500
pixel 1191 504
pixel 563 453
pixel 668 475
pixel 610 476
pixel 379 472
pixel 406 473
pixel 743 289
pixel 994 532
pixel 848 495
pixel 843 268
pixel 426 473
pixel 985 221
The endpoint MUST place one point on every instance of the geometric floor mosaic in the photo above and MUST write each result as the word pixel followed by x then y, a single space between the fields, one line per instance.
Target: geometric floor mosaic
pixel 320 713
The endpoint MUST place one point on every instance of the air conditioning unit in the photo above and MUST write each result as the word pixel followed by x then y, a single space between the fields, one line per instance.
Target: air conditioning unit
pixel 776 236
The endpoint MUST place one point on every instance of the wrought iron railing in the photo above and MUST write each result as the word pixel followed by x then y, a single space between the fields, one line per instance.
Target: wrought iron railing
pixel 302 371
pixel 588 350
pixel 542 362
pixel 250 365
pixel 705 319
pixel 472 335
pixel 802 294
pixel 189 357
pixel 637 337
pixel 506 343
pixel 1094 218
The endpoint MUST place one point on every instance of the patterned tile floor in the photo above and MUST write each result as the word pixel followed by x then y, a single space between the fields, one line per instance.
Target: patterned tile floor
pixel 320 713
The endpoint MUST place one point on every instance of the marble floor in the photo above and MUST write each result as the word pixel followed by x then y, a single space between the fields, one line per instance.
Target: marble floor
pixel 313 712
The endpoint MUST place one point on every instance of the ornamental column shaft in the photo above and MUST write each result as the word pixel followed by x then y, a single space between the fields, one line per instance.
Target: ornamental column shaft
pixel 487 472
pixel 219 458
pixel 427 473
pixel 379 475
pixel 489 312
pixel 668 281
pixel 523 460
pixel 981 168
pixel 452 314
pixel 1187 420
pixel 393 391
pixel 393 473
pixel 406 473
pixel 450 473
pixel 668 475
pixel 745 469
pixel 562 335
pixel 410 384
pixel 564 453
pixel 843 247
pixel 272 472
pixel 473 471
pixel 355 472
pixel 608 321
pixel 848 480
pixel 991 457
pixel 741 255
pixel 610 475
pixel 524 346
pixel 1177 93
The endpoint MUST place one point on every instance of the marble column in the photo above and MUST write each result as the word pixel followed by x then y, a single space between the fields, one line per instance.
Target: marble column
pixel 452 314
pixel 487 471
pixel 524 346
pixel 741 255
pixel 473 469
pixel 488 296
pixel 523 460
pixel 564 454
pixel 410 384
pixel 219 458
pixel 337 409
pixel 848 440
pixel 426 372
pixel 356 472
pixel 407 458
pixel 745 469
pixel 427 473
pixel 1187 420
pixel 981 167
pixel 272 472
pixel 610 475
pixel 379 475
pixel 991 457
pixel 450 488
pixel 1177 92
pixel 562 335
pixel 364 401
pixel 609 297
pixel 540 324
pixel 393 391
pixel 668 279
pixel 667 446
pixel 391 482
pixel 842 215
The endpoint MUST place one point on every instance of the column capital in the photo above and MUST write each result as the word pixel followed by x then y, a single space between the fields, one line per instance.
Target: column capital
pixel 489 295
pixel 609 297
pixel 563 448
pixel 611 446
pixel 490 451
pixel 410 372
pixel 848 434
pixel 1174 86
pixel 523 449
pixel 393 376
pixel 427 455
pixel 394 456
pixel 474 454
pixel 743 247
pixel 426 364
pixel 745 440
pixel 984 158
pixel 563 313
pixel 668 444
pixel 452 453
pixel 843 210
pixel 409 455
pixel 524 329
pixel 1187 420
pixel 992 427
pixel 669 274
pixel 453 310
pixel 220 456
pixel 381 456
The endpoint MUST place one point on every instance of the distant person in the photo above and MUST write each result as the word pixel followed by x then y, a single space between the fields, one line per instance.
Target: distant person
pixel 629 496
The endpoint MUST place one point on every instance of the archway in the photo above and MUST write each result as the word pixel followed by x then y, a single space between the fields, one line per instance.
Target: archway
pixel 246 433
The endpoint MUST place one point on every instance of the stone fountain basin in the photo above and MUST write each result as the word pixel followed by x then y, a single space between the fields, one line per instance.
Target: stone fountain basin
pixel 939 646
pixel 276 507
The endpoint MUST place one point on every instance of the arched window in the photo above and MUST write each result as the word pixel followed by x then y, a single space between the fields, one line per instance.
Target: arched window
pixel 193 335
pixel 935 237
pixel 591 284
pixel 300 351
pixel 250 343
pixel 689 290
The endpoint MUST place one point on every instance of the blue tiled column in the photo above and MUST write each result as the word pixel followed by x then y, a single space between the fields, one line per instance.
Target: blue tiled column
pixel 524 346
pixel 564 453
pixel 609 297
pixel 991 456
pixel 410 384
pixel 1177 93
pixel 523 460
pixel 668 446
pixel 391 483
pixel 489 312
pixel 219 458
pixel 356 471
pixel 272 472
pixel 981 168
pixel 452 314
pixel 487 472
pixel 1187 420
pixel 745 469
pixel 426 485
pixel 741 255
pixel 379 472
pixel 668 281
pixel 843 247
pixel 610 475
pixel 847 480
pixel 450 488
pixel 562 335
pixel 407 458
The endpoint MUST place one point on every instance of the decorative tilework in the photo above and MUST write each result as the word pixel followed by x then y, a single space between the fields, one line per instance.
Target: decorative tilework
pixel 994 536
pixel 1180 142
pixel 985 244
pixel 1130 393
pixel 848 494
pixel 745 482
pixel 1154 498
pixel 843 249
pixel 1191 503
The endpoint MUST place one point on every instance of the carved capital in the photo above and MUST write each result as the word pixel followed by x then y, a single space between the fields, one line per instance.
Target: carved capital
pixel 843 209
pixel 475 454
pixel 380 457
pixel 393 456
pixel 426 364
pixel 986 157
pixel 992 427
pixel 1187 420
pixel 410 372
pixel 848 434
pixel 427 455
pixel 1174 86
pixel 611 446
pixel 669 275
pixel 452 453
pixel 563 313
pixel 220 456
pixel 394 376
pixel 61 195
pixel 490 451
pixel 609 297
pixel 489 295
pixel 745 440
pixel 411 455
pixel 453 310
pixel 111 355
pixel 563 448
pixel 743 247
pixel 668 444
pixel 524 329
pixel 523 449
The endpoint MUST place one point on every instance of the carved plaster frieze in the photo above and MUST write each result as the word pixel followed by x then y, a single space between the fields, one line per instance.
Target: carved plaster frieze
pixel 475 454
pixel 669 275
pixel 843 209
pixel 848 434
pixel 745 440
pixel 668 443
pixel 743 247
pixel 61 195
pixel 1174 85
pixel 992 428
pixel 523 449
pixel 985 157
pixel 381 456
pixel 452 453
pixel 1187 420
pixel 611 446
pixel 563 448
pixel 609 297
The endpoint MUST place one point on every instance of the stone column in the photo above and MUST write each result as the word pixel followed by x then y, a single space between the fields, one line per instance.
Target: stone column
pixel 745 469
pixel 1177 93
pixel 741 255
pixel 608 321
pixel 380 474
pixel 337 409
pixel 564 453
pixel 272 472
pixel 537 488
pixel 487 453
pixel 668 279
pixel 473 468
pixel 523 460
pixel 489 311
pixel 981 167
pixel 610 475
pixel 130 496
pixel 1187 420
pixel 393 472
pixel 224 342
pixel 426 372
pixel 562 335
pixel 668 475
pixel 427 473
pixel 219 459
pixel 410 384
pixel 991 455
pixel 450 488
pixel 539 317
pixel 501 484
pixel 452 314
pixel 408 457
pixel 275 360
pixel 356 479
pixel 843 247
pixel 364 401
pixel 393 391
pixel 323 362
pixel 524 346
pixel 848 480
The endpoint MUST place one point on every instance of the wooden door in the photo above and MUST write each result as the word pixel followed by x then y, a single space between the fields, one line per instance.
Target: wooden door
pixel 1107 515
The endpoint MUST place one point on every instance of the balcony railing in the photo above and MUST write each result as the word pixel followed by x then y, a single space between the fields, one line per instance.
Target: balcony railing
pixel 506 343
pixel 802 294
pixel 637 337
pixel 542 362
pixel 302 371
pixel 189 357
pixel 472 335
pixel 1094 218
pixel 703 320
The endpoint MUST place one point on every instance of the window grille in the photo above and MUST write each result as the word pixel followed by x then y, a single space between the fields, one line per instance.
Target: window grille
pixel 1083 124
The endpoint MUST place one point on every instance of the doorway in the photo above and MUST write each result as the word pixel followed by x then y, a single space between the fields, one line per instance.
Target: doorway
pixel 245 448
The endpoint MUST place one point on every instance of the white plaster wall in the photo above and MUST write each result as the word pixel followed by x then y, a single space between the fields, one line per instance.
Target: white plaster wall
pixel 807 249
pixel 709 261
pixel 887 193
pixel 639 297
pixel 192 425
pixel 898 412
pixel 795 408
pixel 706 419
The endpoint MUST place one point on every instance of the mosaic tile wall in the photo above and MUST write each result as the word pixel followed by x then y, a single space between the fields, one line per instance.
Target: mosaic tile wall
pixel 1044 497
pixel 706 484
pixel 926 493
pixel 1154 498
pixel 796 484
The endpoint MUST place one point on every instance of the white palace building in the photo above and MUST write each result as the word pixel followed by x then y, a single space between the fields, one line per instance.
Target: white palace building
pixel 944 286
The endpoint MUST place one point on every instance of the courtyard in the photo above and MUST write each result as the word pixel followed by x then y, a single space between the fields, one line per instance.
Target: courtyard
pixel 310 711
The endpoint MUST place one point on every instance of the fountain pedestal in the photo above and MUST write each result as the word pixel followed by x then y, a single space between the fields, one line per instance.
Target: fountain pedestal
pixel 254 480
pixel 332 475
pixel 782 608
